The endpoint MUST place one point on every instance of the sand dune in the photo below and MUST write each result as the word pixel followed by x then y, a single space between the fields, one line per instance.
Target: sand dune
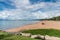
pixel 38 25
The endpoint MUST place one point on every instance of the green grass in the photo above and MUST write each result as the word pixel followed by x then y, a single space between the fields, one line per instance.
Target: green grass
pixel 50 32
pixel 18 38
pixel 4 35
pixel 7 36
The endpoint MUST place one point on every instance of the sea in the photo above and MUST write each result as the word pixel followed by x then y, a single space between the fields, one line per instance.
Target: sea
pixel 4 25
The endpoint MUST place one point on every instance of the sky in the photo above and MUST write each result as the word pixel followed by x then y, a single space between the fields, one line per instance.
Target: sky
pixel 29 9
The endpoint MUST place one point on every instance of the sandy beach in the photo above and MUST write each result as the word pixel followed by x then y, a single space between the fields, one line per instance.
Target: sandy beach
pixel 38 25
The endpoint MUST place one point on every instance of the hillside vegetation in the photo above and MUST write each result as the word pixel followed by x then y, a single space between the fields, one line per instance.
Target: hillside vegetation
pixel 54 18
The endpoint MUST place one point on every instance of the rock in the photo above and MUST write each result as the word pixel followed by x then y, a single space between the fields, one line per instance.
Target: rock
pixel 51 38
pixel 41 36
pixel 26 34
pixel 35 36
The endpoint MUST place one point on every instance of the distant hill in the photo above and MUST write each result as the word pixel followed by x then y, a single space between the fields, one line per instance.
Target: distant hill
pixel 54 18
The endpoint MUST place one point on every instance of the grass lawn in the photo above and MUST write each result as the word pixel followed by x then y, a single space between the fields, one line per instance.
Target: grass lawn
pixel 7 36
pixel 18 38
pixel 50 32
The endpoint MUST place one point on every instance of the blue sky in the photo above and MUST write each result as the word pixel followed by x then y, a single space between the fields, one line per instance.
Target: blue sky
pixel 38 1
pixel 6 4
pixel 29 9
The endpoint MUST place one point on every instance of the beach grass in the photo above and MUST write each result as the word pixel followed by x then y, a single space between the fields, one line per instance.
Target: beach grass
pixel 50 32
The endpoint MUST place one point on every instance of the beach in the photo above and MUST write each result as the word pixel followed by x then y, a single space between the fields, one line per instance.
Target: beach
pixel 38 25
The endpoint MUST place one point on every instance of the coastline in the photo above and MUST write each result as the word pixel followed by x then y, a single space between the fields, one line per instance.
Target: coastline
pixel 38 25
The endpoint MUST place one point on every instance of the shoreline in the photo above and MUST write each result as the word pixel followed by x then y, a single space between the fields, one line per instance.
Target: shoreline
pixel 38 25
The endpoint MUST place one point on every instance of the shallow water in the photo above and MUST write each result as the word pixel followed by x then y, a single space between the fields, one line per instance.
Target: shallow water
pixel 13 24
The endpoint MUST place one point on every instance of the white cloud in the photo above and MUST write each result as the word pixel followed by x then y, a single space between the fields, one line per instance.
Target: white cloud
pixel 3 14
pixel 25 10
